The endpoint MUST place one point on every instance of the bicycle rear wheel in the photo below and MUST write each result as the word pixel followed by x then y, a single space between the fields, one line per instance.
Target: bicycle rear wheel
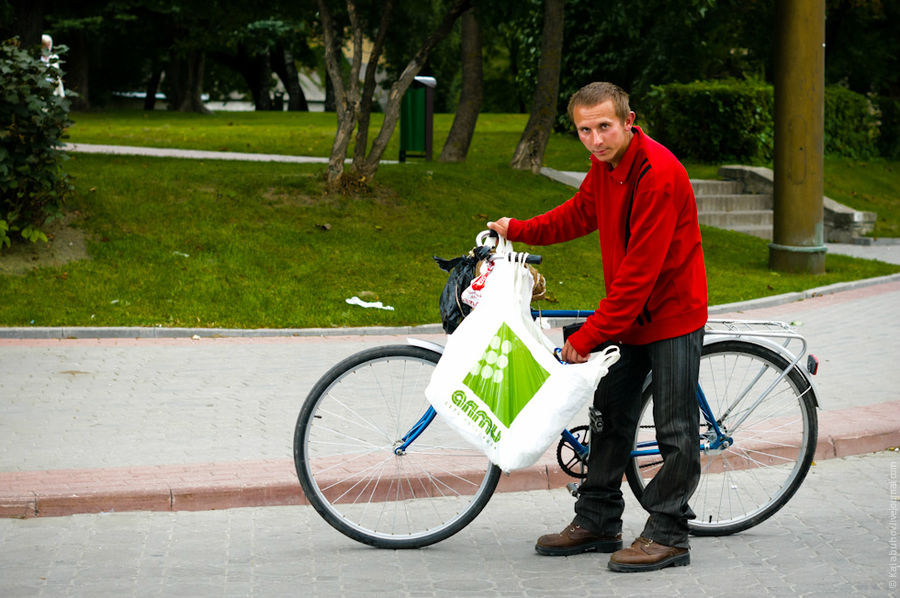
pixel 344 452
pixel 770 452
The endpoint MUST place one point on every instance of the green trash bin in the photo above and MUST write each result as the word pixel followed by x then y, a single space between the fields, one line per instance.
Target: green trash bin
pixel 416 119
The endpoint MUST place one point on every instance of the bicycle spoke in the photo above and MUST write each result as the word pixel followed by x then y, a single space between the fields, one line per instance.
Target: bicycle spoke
pixel 767 410
pixel 369 402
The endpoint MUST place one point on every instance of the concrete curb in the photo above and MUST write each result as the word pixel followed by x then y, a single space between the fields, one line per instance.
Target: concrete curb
pixel 801 295
pixel 209 486
pixel 76 332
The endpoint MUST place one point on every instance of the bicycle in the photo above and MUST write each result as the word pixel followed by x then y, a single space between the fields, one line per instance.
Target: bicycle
pixel 377 464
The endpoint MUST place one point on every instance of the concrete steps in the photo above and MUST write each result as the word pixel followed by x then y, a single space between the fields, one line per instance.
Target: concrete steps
pixel 744 202
pixel 723 204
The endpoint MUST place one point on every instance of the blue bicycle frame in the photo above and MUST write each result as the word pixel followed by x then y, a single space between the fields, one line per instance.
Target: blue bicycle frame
pixel 642 449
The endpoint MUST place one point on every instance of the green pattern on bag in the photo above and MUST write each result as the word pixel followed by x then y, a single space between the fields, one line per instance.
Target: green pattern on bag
pixel 506 376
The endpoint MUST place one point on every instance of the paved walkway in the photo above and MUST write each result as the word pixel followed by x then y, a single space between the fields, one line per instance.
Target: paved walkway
pixel 177 426
pixel 159 152
pixel 199 419
pixel 837 537
pixel 93 425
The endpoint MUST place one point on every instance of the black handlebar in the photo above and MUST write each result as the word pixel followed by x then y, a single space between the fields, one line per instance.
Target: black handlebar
pixel 531 258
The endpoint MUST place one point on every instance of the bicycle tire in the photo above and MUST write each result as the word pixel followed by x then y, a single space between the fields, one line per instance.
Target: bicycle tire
pixel 749 481
pixel 344 441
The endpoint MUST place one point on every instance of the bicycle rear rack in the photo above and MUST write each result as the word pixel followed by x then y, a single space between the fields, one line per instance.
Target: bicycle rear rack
pixel 779 336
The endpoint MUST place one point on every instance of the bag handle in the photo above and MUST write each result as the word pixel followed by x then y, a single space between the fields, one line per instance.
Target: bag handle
pixel 502 246
pixel 490 238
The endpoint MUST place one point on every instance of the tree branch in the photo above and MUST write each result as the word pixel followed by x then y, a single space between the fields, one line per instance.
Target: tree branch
pixel 392 110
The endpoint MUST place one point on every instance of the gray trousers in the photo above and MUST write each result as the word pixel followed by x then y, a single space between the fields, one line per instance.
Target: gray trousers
pixel 675 364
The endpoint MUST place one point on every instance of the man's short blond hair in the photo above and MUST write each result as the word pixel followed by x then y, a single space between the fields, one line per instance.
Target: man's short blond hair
pixel 598 92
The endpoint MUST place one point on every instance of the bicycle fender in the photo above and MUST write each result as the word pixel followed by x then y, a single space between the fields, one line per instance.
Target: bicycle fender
pixel 429 345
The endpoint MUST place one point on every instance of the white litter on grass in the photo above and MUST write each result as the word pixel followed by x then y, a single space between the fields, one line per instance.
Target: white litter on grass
pixel 368 304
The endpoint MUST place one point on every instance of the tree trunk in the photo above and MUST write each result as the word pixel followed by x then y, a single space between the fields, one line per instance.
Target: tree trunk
pixel 329 105
pixel 369 166
pixel 354 103
pixel 368 93
pixel 76 69
pixel 258 77
pixel 283 64
pixel 152 87
pixel 185 76
pixel 254 68
pixel 529 153
pixel 457 145
pixel 347 96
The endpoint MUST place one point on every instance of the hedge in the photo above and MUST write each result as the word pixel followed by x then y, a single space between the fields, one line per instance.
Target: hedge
pixel 730 120
pixel 713 121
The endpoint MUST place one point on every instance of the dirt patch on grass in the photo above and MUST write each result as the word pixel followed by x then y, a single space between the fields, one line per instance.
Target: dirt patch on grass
pixel 280 197
pixel 66 244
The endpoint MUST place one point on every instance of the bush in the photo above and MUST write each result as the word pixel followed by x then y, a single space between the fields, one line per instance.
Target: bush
pixel 32 119
pixel 719 121
pixel 713 121
pixel 850 124
pixel 889 130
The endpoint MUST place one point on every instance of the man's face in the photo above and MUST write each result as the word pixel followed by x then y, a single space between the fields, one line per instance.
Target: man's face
pixel 601 131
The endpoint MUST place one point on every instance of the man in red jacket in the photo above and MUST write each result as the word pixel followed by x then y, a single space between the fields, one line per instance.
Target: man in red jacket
pixel 638 198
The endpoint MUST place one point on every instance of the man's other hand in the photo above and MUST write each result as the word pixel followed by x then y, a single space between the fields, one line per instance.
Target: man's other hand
pixel 570 355
pixel 501 226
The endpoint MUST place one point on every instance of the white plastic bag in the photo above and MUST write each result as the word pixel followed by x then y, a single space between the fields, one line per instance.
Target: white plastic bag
pixel 498 383
pixel 472 295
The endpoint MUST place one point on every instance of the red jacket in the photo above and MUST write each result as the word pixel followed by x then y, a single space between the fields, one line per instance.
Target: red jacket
pixel 646 216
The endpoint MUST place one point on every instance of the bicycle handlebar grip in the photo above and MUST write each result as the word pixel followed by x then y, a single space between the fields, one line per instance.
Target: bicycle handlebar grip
pixel 531 259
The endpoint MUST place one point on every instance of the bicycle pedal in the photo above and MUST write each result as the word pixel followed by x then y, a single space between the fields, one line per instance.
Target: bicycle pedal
pixel 572 487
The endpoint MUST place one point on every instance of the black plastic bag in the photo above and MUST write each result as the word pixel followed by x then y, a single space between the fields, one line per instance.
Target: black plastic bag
pixel 462 271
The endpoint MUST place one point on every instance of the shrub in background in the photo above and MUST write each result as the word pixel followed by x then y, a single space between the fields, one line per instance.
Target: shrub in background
pixel 713 121
pixel 729 120
pixel 889 128
pixel 32 119
pixel 850 124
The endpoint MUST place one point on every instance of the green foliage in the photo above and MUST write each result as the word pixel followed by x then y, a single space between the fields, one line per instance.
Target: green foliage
pixel 850 124
pixel 32 119
pixel 713 120
pixel 641 43
pixel 731 120
pixel 862 48
pixel 889 127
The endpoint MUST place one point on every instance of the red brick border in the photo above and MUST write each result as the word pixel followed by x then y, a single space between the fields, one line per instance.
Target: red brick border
pixel 208 486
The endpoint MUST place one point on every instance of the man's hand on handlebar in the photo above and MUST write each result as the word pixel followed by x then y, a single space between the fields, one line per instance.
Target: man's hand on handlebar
pixel 570 355
pixel 501 226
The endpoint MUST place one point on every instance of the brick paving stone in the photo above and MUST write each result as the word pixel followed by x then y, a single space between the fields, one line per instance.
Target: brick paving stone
pixel 87 407
pixel 832 539
pixel 79 404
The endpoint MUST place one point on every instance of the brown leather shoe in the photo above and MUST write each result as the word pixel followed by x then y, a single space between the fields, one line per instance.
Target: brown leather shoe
pixel 647 555
pixel 575 540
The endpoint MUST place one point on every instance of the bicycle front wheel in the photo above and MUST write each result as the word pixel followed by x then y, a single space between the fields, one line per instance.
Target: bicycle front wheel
pixel 767 412
pixel 345 452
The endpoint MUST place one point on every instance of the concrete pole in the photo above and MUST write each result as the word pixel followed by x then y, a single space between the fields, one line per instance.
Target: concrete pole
pixel 798 232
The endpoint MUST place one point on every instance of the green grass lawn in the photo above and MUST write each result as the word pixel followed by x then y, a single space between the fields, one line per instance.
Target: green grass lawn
pixel 237 244
pixel 872 186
